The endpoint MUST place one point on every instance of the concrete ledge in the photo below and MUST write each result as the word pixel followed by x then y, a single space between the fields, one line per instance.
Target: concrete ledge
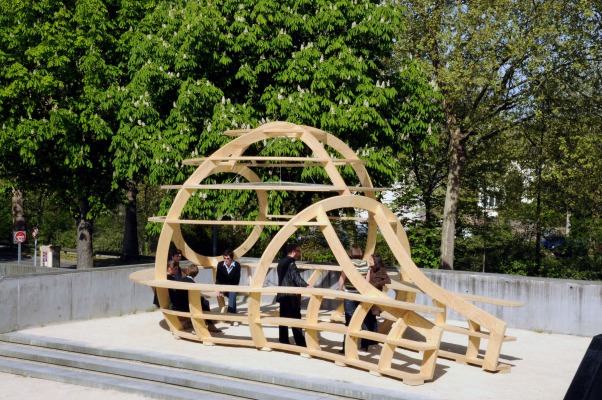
pixel 50 296
pixel 552 305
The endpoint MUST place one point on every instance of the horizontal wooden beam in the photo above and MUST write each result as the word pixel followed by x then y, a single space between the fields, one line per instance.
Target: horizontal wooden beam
pixel 290 186
pixel 272 290
pixel 164 220
pixel 276 131
pixel 273 161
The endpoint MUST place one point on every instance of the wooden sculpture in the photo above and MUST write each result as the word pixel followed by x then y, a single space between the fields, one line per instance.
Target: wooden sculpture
pixel 410 341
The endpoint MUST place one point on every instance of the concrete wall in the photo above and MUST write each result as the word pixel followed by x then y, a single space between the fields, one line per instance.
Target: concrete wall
pixel 67 295
pixel 16 269
pixel 553 305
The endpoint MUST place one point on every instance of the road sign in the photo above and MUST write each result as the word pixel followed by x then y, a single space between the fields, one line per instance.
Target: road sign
pixel 34 233
pixel 19 236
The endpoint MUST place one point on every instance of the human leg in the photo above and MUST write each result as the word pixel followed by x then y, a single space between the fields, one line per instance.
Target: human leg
pixel 296 313
pixel 231 302
pixel 285 312
pixel 371 325
pixel 350 306
pixel 206 307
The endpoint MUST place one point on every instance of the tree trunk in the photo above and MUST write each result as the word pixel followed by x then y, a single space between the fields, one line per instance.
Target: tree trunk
pixel 18 210
pixel 131 248
pixel 450 209
pixel 538 210
pixel 85 253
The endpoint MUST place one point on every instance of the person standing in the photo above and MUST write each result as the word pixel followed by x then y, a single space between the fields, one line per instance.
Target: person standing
pixel 176 257
pixel 290 304
pixel 378 277
pixel 355 254
pixel 228 273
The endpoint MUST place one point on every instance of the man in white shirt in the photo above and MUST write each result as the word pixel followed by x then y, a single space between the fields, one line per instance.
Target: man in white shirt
pixel 228 273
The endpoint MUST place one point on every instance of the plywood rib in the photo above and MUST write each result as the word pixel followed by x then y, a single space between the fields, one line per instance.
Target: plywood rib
pixel 215 222
pixel 398 313
pixel 255 161
pixel 289 186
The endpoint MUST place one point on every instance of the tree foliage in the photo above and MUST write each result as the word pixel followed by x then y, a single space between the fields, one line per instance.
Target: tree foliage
pixel 489 60
pixel 198 68
pixel 98 96
pixel 55 67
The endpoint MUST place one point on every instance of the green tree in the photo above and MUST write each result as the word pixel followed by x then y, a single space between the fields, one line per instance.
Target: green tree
pixel 199 68
pixel 487 59
pixel 55 66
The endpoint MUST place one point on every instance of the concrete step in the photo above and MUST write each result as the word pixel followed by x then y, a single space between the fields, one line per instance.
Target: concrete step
pixel 103 381
pixel 149 379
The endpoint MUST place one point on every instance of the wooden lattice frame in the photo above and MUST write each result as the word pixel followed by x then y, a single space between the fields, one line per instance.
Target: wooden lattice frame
pixel 399 314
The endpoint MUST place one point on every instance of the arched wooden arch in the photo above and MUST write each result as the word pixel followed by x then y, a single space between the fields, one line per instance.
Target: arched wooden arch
pixel 410 358
pixel 225 160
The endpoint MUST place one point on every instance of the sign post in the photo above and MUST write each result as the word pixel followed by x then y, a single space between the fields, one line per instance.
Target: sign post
pixel 34 233
pixel 19 237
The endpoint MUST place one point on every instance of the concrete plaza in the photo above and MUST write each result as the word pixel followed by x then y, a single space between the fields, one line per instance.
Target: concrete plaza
pixel 543 365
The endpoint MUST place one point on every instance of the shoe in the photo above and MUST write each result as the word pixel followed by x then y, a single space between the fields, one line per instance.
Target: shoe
pixel 213 328
pixel 235 323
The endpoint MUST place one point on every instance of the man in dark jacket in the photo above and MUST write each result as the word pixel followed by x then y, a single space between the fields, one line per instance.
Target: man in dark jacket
pixel 290 304
pixel 228 273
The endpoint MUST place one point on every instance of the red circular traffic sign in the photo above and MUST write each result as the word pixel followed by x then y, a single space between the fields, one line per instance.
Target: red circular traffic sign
pixel 20 236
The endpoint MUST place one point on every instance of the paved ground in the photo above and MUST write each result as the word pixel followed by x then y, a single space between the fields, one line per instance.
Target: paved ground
pixel 16 387
pixel 543 364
